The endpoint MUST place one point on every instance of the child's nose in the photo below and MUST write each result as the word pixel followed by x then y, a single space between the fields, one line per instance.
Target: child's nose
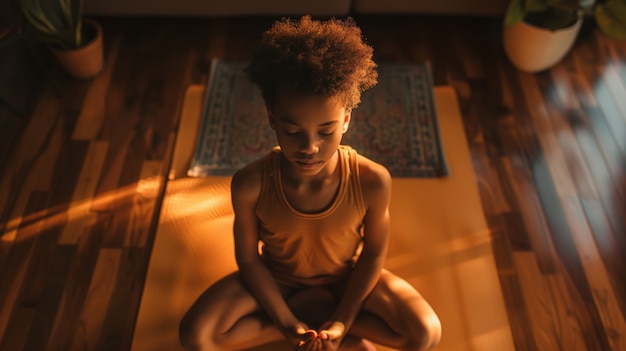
pixel 309 145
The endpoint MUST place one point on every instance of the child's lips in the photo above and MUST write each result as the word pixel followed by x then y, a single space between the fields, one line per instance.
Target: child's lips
pixel 308 164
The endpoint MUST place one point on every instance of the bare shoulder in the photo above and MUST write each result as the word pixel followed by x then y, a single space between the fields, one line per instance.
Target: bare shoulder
pixel 375 179
pixel 246 184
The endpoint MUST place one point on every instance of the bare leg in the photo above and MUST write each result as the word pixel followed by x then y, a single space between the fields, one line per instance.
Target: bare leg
pixel 394 315
pixel 225 317
pixel 397 316
pixel 352 343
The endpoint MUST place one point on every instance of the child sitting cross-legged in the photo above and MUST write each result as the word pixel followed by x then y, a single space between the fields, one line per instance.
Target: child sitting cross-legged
pixel 318 210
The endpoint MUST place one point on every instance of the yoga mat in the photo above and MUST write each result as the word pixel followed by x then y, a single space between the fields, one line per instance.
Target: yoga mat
pixel 439 242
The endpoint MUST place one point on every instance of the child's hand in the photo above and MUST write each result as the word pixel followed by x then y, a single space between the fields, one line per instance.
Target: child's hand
pixel 331 331
pixel 299 335
pixel 312 342
pixel 331 335
pixel 327 339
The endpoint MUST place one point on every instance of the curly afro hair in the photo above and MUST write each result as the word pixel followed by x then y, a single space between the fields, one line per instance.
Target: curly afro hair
pixel 315 58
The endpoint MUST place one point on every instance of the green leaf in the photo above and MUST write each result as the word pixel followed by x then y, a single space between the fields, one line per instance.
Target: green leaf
pixel 32 10
pixel 611 18
pixel 37 23
pixel 58 22
pixel 66 10
pixel 514 13
pixel 32 15
pixel 50 9
pixel 72 12
pixel 77 12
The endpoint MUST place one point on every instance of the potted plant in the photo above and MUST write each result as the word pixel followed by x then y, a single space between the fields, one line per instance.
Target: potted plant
pixel 74 41
pixel 539 33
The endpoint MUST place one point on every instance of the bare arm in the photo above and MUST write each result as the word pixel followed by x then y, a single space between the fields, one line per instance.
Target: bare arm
pixel 376 183
pixel 245 189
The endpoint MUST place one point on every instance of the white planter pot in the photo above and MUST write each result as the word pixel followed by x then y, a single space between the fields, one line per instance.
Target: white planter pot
pixel 533 49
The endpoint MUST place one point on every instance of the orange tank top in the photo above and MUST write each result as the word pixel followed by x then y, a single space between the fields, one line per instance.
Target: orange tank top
pixel 303 249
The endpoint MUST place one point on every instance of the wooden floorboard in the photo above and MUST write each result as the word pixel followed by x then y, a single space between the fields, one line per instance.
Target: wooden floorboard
pixel 83 175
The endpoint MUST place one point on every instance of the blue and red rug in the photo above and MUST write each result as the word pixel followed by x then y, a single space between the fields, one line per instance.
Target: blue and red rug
pixel 395 124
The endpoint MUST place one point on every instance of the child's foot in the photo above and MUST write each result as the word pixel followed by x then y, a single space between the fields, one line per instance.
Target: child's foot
pixel 311 345
pixel 354 344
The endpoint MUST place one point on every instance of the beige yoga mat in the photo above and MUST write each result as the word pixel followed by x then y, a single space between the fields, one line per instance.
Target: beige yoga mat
pixel 439 242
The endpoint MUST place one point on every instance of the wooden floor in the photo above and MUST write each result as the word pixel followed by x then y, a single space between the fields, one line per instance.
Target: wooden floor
pixel 549 152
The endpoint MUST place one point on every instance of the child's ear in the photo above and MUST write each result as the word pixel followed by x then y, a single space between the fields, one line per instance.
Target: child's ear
pixel 346 120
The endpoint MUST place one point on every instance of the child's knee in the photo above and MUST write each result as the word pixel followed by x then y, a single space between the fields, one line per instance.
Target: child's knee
pixel 432 326
pixel 186 333
pixel 190 335
pixel 426 333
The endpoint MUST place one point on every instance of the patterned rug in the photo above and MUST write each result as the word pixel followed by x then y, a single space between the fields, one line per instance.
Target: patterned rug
pixel 395 124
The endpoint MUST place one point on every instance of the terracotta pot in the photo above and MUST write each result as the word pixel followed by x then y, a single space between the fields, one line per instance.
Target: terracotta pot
pixel 533 49
pixel 86 61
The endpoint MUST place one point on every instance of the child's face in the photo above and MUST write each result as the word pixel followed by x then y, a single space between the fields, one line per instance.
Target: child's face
pixel 308 129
